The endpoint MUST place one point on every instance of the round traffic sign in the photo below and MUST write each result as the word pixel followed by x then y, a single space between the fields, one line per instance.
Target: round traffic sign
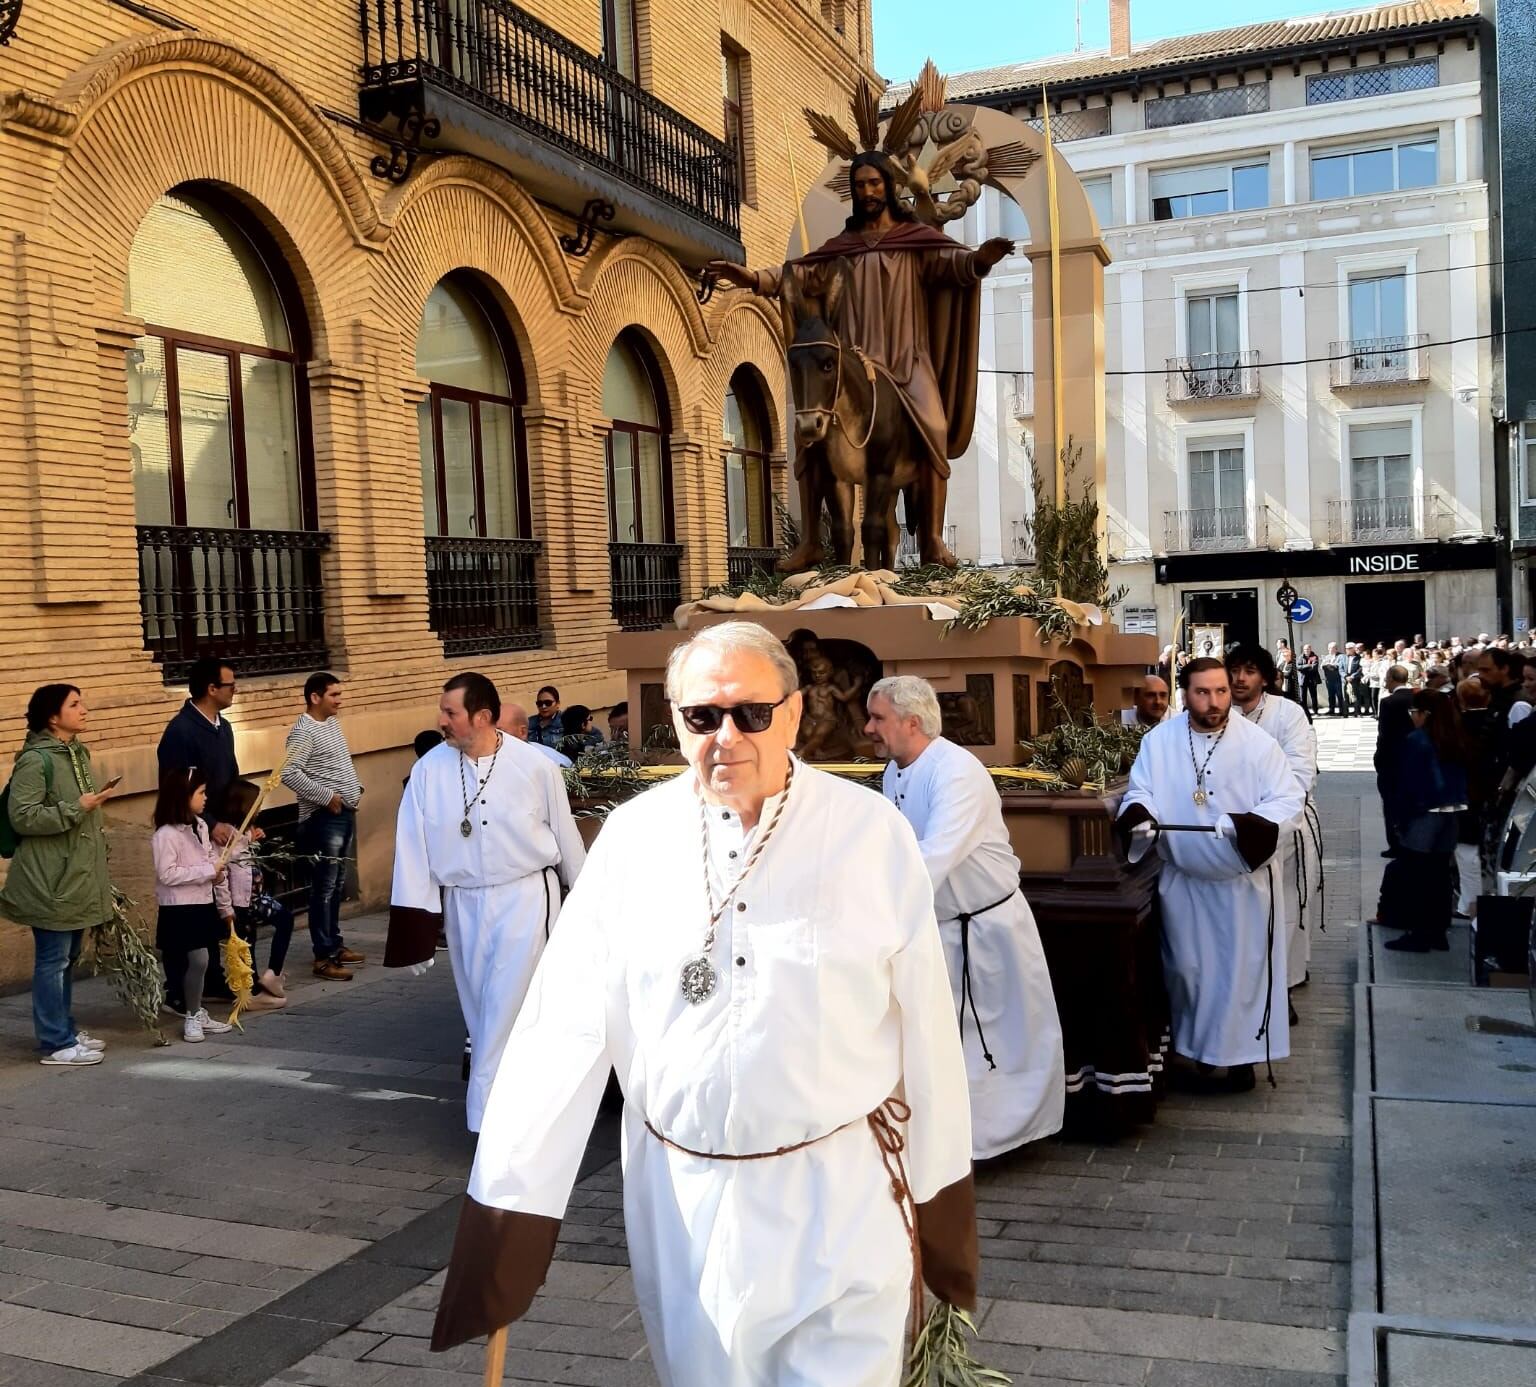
pixel 1301 610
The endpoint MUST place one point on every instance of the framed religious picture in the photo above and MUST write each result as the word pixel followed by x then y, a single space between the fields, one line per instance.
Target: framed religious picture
pixel 1208 640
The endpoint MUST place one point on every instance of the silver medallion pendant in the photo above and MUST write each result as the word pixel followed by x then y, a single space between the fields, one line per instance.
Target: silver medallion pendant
pixel 464 829
pixel 698 980
pixel 1200 796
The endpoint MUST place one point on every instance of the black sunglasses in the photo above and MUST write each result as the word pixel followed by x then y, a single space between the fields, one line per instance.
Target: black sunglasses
pixel 704 718
pixel 543 703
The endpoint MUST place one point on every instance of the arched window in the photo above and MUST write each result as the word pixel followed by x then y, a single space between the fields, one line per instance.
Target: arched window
pixel 219 436
pixel 748 481
pixel 481 576
pixel 647 565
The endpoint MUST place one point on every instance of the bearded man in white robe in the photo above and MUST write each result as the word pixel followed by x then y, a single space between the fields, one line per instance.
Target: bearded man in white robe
pixel 484 842
pixel 752 948
pixel 1223 954
pixel 1256 694
pixel 997 970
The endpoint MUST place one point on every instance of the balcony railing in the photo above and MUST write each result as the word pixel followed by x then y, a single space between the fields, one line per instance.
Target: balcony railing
pixel 1377 361
pixel 1213 376
pixel 500 58
pixel 742 561
pixel 1021 395
pixel 1217 528
pixel 647 584
pixel 251 597
pixel 1074 125
pixel 1245 100
pixel 483 594
pixel 1375 520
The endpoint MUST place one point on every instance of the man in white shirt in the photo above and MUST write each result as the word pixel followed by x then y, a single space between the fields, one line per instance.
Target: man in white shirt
pixel 483 844
pixel 752 948
pixel 1150 703
pixel 997 968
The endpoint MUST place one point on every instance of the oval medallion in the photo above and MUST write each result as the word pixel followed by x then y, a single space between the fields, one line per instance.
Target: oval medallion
pixel 698 980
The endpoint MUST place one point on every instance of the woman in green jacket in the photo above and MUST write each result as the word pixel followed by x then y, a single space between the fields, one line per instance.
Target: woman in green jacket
pixel 58 883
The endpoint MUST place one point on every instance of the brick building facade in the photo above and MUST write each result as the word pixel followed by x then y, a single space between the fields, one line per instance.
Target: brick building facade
pixel 276 274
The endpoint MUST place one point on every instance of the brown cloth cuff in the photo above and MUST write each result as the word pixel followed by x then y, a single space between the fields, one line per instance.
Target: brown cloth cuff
pixel 946 1230
pixel 1136 814
pixel 412 936
pixel 1255 839
pixel 500 1259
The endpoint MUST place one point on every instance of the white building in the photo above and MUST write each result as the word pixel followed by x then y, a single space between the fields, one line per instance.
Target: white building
pixel 1296 322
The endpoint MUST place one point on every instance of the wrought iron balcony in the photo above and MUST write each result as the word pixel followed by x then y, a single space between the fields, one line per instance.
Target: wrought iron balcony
pixel 483 594
pixel 1376 361
pixel 1021 395
pixel 251 597
pixel 1376 520
pixel 744 560
pixel 1213 376
pixel 1215 528
pixel 647 584
pixel 489 79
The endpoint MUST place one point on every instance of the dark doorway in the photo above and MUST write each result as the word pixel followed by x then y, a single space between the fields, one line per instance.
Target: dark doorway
pixel 1380 613
pixel 1235 610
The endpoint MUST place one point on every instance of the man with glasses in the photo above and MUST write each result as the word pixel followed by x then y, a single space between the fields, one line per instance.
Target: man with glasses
pixel 483 845
pixel 753 949
pixel 545 726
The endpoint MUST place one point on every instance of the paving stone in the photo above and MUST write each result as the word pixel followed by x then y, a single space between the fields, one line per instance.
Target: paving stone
pixel 75 1342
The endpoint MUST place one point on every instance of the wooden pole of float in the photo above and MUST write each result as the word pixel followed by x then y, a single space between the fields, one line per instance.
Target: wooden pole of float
pixel 496 1357
pixel 1058 409
pixel 794 183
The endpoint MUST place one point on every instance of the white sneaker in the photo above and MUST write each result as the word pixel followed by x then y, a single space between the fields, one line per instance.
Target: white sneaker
pixel 76 1056
pixel 192 1030
pixel 89 1042
pixel 210 1026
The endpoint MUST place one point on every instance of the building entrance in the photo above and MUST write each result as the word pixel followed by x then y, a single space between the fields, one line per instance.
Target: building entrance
pixel 1380 613
pixel 1234 610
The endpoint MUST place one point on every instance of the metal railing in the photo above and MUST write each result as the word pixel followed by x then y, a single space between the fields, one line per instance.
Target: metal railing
pixel 742 561
pixel 252 597
pixel 1373 361
pixel 1021 395
pixel 1213 376
pixel 1248 99
pixel 500 57
pixel 483 594
pixel 1221 527
pixel 1074 125
pixel 647 584
pixel 1373 520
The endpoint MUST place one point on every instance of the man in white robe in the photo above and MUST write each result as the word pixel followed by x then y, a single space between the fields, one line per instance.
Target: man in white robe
pixel 1223 955
pixel 1255 692
pixel 997 968
pixel 767 1063
pixel 483 843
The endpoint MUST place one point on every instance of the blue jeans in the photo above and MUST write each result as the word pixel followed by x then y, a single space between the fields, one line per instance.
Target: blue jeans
pixel 327 835
pixel 53 982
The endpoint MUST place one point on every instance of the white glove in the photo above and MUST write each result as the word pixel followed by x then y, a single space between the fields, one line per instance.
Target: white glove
pixel 1142 838
pixel 1225 828
pixel 417 969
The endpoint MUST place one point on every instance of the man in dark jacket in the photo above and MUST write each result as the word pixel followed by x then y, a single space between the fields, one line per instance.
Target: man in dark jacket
pixel 1354 680
pixel 1333 676
pixel 200 735
pixel 1392 728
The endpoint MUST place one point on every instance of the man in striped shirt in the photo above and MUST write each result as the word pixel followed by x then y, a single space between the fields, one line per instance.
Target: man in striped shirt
pixel 324 781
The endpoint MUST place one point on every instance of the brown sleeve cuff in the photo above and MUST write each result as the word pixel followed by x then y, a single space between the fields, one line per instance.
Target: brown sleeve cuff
pixel 500 1259
pixel 1255 839
pixel 946 1231
pixel 412 936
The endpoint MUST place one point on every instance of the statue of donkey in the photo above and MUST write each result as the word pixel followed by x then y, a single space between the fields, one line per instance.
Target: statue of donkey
pixel 851 428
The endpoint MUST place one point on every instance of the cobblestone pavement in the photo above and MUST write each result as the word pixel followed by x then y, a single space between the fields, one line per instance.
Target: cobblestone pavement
pixel 274 1208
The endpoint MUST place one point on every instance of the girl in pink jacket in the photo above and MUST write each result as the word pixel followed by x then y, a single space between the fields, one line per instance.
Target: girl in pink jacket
pixel 190 886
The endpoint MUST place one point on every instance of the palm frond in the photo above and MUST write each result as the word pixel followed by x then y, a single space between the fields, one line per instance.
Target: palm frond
pixel 898 133
pixel 830 134
pixel 866 114
pixel 941 1354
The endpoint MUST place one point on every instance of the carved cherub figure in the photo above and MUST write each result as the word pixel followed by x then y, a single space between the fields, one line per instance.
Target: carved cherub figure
pixel 823 724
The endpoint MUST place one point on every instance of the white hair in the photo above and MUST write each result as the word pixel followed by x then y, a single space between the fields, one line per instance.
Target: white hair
pixel 911 697
pixel 734 638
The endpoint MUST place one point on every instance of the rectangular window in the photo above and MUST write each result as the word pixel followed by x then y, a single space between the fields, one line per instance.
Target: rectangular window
pixel 621 38
pixel 1378 306
pixel 1217 492
pixel 1101 196
pixel 732 94
pixel 1381 479
pixel 1246 100
pixel 1528 468
pixel 1380 169
pixel 1209 190
pixel 1361 82
pixel 1011 221
pixel 1215 327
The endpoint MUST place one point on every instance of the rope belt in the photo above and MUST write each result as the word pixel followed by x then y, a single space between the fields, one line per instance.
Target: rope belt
pixel 885 1122
pixel 966 994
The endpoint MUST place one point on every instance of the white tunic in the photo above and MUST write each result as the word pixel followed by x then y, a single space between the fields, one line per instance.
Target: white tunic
pixel 1018 1095
pixel 498 889
pixel 782 1272
pixel 1223 963
pixel 1297 858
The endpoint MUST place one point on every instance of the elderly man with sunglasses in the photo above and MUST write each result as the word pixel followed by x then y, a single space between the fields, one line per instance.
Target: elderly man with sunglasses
pixel 752 947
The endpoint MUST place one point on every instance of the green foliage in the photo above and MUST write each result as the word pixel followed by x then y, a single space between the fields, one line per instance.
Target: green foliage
pixel 1065 533
pixel 605 776
pixel 120 951
pixel 941 1354
pixel 1102 749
